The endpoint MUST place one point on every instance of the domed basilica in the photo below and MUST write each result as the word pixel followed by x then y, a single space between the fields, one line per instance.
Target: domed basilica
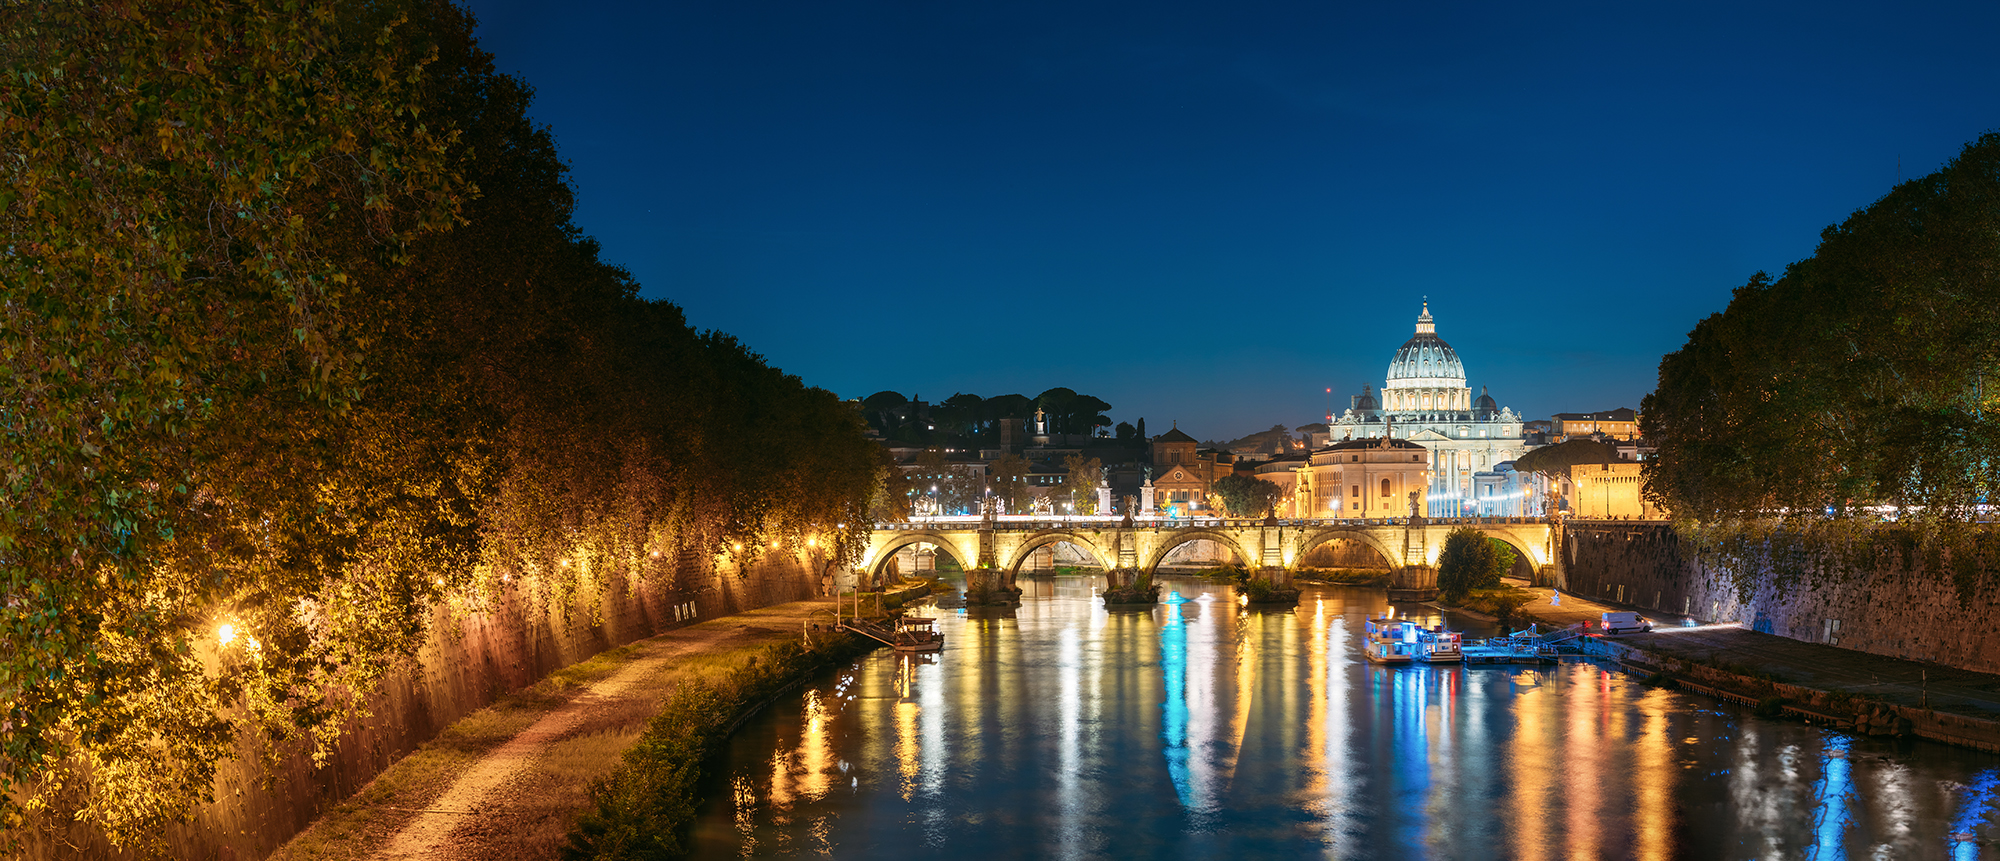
pixel 1426 400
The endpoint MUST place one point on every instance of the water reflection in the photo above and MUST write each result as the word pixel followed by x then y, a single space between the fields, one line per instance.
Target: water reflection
pixel 1205 729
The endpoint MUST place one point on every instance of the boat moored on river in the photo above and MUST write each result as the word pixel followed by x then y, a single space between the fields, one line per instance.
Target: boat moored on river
pixel 1439 646
pixel 1391 641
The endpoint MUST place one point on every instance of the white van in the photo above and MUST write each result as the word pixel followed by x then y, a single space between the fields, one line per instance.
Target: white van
pixel 1625 623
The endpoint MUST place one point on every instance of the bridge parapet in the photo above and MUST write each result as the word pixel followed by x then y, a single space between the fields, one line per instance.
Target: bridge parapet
pixel 1100 524
pixel 1270 546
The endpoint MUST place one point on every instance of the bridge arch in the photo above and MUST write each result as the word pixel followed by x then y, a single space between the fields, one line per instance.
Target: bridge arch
pixel 905 539
pixel 1056 536
pixel 1523 554
pixel 1178 537
pixel 1357 534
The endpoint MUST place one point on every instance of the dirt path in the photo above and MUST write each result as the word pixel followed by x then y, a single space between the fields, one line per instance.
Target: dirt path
pixel 507 781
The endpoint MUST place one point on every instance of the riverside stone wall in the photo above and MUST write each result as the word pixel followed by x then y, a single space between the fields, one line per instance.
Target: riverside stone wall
pixel 469 661
pixel 1893 609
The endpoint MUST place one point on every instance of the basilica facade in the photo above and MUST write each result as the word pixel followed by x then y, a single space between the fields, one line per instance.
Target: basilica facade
pixel 1425 400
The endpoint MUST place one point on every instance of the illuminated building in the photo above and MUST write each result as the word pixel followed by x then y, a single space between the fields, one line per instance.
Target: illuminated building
pixel 1356 478
pixel 1426 401
pixel 1621 423
pixel 1183 472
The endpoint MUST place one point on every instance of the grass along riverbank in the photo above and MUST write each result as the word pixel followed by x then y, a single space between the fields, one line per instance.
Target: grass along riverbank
pixel 508 781
pixel 646 808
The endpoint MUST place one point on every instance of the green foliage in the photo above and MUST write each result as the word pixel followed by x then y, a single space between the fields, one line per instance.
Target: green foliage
pixel 297 336
pixel 1007 478
pixel 1555 460
pixel 1080 485
pixel 1072 413
pixel 1468 561
pixel 644 810
pixel 1502 603
pixel 1259 590
pixel 1246 496
pixel 1770 707
pixel 1857 377
pixel 1798 552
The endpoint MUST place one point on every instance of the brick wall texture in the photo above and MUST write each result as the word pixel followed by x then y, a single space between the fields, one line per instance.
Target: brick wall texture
pixel 1904 612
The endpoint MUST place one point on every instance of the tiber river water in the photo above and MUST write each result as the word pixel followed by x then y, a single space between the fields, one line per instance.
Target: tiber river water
pixel 1209 730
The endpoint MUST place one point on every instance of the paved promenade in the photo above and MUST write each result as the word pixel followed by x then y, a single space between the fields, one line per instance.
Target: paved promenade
pixel 1949 704
pixel 507 781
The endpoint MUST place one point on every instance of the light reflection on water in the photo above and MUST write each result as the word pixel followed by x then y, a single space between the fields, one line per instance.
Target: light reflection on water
pixel 1204 729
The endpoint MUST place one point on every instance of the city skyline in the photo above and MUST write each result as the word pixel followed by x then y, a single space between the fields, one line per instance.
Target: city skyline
pixel 1211 216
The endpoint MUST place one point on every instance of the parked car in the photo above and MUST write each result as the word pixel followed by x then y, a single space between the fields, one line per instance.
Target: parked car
pixel 1625 623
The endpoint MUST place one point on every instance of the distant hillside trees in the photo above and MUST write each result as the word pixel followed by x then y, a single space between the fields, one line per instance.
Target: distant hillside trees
pixel 973 422
pixel 300 342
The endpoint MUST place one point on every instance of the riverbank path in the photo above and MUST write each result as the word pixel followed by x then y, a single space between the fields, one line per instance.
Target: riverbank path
pixel 504 784
pixel 1913 684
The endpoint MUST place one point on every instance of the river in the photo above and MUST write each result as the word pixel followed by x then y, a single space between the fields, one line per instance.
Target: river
pixel 1207 729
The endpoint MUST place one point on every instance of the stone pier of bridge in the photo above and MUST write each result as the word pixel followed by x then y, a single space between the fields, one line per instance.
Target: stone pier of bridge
pixel 992 551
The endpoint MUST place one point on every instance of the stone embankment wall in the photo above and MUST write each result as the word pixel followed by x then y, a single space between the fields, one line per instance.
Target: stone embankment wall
pixel 470 660
pixel 1894 610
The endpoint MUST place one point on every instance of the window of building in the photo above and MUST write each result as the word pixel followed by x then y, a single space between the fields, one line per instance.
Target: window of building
pixel 1357 492
pixel 1385 487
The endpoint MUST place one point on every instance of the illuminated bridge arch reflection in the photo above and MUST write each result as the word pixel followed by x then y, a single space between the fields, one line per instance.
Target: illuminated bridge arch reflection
pixel 1204 728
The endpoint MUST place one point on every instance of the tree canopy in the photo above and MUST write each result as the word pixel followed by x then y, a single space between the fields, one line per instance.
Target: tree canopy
pixel 1469 560
pixel 1247 496
pixel 1856 377
pixel 1556 460
pixel 300 344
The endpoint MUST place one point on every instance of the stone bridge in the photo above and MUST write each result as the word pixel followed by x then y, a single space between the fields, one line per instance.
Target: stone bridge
pixel 1268 547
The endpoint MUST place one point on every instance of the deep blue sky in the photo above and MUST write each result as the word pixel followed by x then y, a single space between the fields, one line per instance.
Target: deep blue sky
pixel 1211 212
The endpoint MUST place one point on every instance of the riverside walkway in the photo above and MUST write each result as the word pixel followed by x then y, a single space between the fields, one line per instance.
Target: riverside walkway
pixel 1939 702
pixel 507 781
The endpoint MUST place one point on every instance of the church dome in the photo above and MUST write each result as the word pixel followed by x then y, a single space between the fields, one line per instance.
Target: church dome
pixel 1426 356
pixel 1367 400
pixel 1485 403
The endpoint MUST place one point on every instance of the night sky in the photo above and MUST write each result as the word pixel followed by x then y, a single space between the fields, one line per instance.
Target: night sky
pixel 1212 212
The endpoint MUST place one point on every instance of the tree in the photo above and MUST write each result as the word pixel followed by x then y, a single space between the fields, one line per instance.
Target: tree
pixel 1556 460
pixel 1007 477
pixel 1856 377
pixel 276 370
pixel 1468 561
pixel 1126 432
pixel 961 414
pixel 1246 496
pixel 955 490
pixel 1080 485
pixel 1071 413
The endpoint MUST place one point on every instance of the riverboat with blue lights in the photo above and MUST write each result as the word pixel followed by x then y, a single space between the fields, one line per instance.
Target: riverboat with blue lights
pixel 1391 641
